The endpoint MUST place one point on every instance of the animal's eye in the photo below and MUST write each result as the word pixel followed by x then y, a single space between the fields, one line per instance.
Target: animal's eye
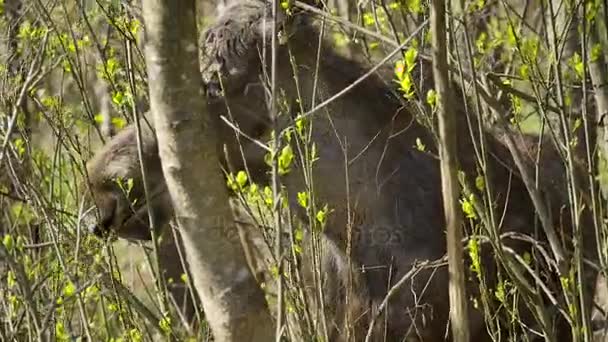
pixel 108 184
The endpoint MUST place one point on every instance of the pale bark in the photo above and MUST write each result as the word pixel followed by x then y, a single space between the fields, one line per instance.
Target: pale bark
pixel 233 303
pixel 449 181
pixel 599 81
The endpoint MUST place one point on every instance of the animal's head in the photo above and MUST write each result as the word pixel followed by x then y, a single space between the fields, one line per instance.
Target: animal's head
pixel 234 56
pixel 116 188
pixel 232 47
pixel 237 48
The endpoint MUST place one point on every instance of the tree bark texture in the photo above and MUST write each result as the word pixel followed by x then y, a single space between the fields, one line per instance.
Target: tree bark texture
pixel 599 81
pixel 233 303
pixel 449 174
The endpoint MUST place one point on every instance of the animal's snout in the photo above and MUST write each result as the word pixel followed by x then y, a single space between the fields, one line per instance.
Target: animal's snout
pixel 96 223
pixel 99 228
pixel 95 229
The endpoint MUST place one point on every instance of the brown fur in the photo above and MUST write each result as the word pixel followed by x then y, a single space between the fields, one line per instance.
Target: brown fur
pixel 392 189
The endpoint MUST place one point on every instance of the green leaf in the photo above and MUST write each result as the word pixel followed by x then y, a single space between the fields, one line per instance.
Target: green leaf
pixel 65 64
pixel 19 146
pixel 410 58
pixel 8 242
pixel 500 292
pixel 529 49
pixel 406 86
pixel 431 98
pixel 511 36
pixel 165 325
pixel 473 248
pixel 119 122
pixel 340 39
pixel 274 271
pixel 231 183
pixel 368 19
pixel 303 199
pixel 568 98
pixel 118 98
pixel 98 118
pixel 112 67
pixel 11 280
pixel 268 198
pixel 577 124
pixel 91 292
pixel 300 126
pixel 467 207
pixel 420 145
pixel 591 11
pixel 60 333
pixel 321 215
pixel 399 69
pixel 299 234
pixel 285 159
pixel 481 42
pixel 241 178
pixel 524 71
pixel 134 26
pixel 50 101
pixel 576 63
pixel 480 183
pixel 135 335
pixel 69 289
pixel 596 52
pixel 414 6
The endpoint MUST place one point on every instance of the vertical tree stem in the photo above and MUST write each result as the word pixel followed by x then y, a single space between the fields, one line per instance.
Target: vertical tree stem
pixel 188 149
pixel 449 180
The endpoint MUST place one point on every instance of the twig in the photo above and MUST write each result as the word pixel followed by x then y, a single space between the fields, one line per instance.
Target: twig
pixel 395 288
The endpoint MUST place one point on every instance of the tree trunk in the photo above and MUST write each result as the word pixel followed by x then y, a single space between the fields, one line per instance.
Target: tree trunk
pixel 449 181
pixel 233 303
pixel 599 81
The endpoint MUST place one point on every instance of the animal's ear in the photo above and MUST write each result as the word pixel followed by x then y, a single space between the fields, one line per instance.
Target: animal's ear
pixel 250 19
pixel 239 32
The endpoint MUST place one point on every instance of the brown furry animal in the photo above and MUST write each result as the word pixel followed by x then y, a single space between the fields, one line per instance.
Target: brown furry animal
pixel 392 189
pixel 126 214
pixel 384 194
pixel 109 172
